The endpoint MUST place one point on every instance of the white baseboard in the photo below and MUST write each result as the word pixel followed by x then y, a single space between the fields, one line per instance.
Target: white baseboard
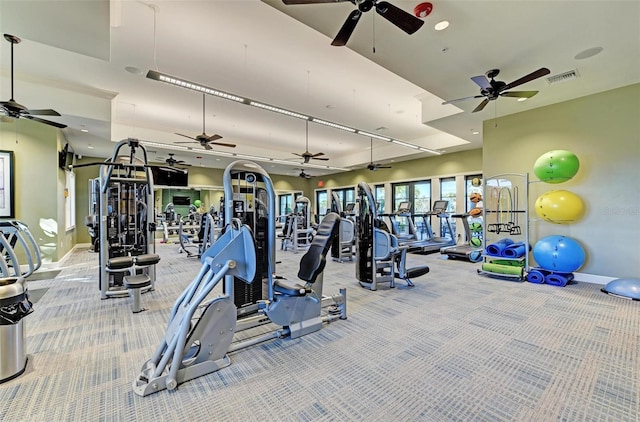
pixel 592 278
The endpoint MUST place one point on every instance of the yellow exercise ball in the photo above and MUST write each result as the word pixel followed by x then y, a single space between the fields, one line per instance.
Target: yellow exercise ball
pixel 559 207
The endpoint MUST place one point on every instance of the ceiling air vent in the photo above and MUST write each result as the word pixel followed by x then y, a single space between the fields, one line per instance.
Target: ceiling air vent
pixel 562 77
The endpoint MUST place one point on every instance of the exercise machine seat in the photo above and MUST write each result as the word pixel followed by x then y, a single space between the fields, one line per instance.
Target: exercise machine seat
pixel 147 259
pixel 314 260
pixel 119 263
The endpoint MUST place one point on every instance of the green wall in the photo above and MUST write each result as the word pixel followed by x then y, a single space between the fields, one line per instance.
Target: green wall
pixel 434 166
pixel 39 197
pixel 603 130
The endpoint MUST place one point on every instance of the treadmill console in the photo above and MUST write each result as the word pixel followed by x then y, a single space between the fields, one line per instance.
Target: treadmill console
pixel 440 207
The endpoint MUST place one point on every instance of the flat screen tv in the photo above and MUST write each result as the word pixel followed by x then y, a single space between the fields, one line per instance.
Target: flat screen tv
pixel 163 176
pixel 65 157
pixel 181 200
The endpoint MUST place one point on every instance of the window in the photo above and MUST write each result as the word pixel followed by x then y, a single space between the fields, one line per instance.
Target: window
pixel 322 204
pixel 472 186
pixel 285 203
pixel 347 196
pixel 448 192
pixel 418 194
pixel 70 200
pixel 379 197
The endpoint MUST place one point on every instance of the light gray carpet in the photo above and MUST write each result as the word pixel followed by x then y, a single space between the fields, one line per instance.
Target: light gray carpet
pixel 456 347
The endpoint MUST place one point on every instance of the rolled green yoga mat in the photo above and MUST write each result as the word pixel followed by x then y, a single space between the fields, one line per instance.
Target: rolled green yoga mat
pixel 502 269
pixel 509 262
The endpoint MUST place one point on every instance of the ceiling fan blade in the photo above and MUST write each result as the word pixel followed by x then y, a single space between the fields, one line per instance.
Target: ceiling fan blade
pixel 47 122
pixel 206 146
pixel 317 154
pixel 481 81
pixel 222 144
pixel 403 20
pixel 462 99
pixel 481 105
pixel 382 167
pixel 299 155
pixel 347 29
pixel 320 158
pixel 289 2
pixel 44 112
pixel 186 136
pixel 519 94
pixel 213 138
pixel 531 76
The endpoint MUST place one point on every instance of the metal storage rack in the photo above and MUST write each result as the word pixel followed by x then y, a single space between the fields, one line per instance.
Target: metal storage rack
pixel 505 215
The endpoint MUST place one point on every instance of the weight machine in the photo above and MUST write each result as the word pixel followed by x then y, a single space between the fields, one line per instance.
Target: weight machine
pixel 343 246
pixel 200 333
pixel 297 232
pixel 379 256
pixel 127 222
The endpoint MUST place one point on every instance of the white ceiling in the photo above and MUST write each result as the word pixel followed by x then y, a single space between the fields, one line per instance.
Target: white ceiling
pixel 74 53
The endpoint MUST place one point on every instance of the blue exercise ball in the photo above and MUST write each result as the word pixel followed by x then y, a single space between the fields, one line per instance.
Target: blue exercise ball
pixel 559 253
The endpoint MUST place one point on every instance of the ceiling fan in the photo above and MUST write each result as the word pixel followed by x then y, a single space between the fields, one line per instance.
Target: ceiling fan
pixel 403 20
pixel 306 155
pixel 371 166
pixel 12 109
pixel 304 175
pixel 203 139
pixel 172 161
pixel 491 89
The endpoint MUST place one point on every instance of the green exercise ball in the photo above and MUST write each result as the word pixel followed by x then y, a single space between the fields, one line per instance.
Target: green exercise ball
pixel 556 166
pixel 197 203
pixel 559 207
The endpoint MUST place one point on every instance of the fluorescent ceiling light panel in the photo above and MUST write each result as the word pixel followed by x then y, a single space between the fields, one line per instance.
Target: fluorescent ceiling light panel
pixel 278 110
pixel 373 135
pixel 404 144
pixel 334 125
pixel 152 74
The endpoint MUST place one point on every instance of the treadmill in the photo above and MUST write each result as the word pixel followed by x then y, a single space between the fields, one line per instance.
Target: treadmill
pixel 403 211
pixel 432 243
pixel 464 251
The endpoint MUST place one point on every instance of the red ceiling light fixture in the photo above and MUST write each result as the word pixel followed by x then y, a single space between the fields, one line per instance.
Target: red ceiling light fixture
pixel 422 10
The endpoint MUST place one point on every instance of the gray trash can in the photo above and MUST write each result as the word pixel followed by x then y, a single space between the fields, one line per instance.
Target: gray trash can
pixel 14 306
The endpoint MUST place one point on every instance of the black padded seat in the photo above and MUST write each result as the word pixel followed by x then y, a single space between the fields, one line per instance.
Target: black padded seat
pixel 314 260
pixel 136 281
pixel 147 259
pixel 119 263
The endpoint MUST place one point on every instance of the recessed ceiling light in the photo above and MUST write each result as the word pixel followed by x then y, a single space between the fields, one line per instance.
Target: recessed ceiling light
pixel 522 99
pixel 133 70
pixel 90 146
pixel 589 52
pixel 475 132
pixel 441 25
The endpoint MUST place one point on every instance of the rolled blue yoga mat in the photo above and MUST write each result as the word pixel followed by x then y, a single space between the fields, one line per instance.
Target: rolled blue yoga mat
pixel 495 249
pixel 515 250
pixel 537 276
pixel 558 279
